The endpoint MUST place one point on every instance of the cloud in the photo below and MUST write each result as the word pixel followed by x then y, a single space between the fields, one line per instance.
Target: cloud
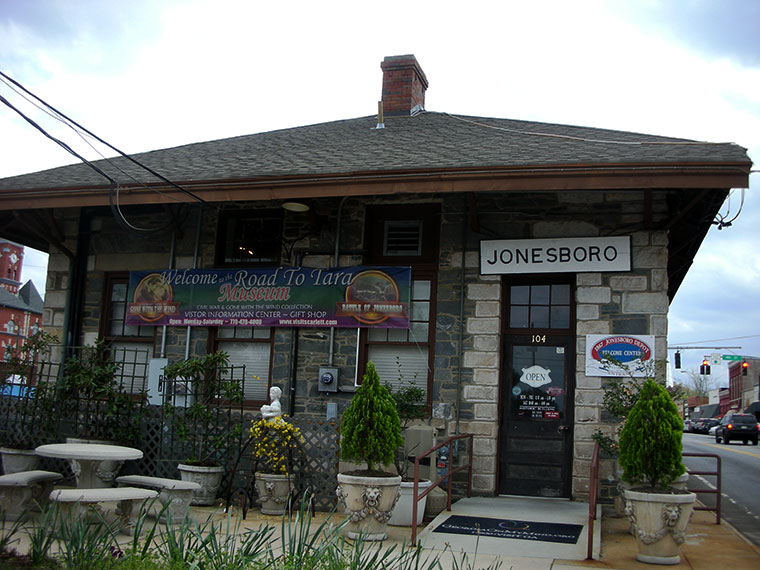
pixel 150 74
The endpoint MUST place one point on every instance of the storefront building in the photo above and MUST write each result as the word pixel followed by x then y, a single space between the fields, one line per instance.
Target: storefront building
pixel 523 242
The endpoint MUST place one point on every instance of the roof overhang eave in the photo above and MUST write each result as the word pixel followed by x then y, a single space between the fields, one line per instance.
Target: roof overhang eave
pixel 496 179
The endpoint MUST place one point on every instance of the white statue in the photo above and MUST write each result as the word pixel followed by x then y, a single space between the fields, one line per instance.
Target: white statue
pixel 274 409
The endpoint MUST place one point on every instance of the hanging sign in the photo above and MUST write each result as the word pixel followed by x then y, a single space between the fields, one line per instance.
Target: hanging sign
pixel 271 297
pixel 619 355
pixel 562 255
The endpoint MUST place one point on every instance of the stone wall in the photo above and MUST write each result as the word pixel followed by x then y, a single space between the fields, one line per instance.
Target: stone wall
pixel 467 359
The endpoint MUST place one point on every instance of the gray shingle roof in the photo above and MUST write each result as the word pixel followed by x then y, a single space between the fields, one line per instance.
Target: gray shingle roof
pixel 29 294
pixel 424 142
pixel 28 299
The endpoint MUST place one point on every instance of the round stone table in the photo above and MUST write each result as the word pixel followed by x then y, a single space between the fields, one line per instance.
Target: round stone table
pixel 86 459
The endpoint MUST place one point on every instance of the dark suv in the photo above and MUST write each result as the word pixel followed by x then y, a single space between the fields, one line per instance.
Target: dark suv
pixel 737 426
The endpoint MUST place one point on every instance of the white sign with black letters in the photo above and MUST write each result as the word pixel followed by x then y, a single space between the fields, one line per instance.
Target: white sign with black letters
pixel 560 255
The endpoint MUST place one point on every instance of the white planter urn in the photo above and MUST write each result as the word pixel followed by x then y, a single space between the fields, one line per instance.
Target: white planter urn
pixel 368 503
pixel 274 490
pixel 659 521
pixel 402 512
pixel 17 460
pixel 681 482
pixel 209 478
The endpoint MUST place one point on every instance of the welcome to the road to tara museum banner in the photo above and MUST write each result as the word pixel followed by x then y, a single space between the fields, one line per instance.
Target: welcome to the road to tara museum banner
pixel 271 297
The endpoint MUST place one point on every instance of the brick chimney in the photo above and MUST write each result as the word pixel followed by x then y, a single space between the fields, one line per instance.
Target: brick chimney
pixel 404 85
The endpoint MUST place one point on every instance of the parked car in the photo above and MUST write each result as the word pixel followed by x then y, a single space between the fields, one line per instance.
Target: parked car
pixel 737 426
pixel 703 425
pixel 712 429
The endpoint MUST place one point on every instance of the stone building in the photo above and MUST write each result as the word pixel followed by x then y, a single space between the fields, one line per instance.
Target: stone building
pixel 526 243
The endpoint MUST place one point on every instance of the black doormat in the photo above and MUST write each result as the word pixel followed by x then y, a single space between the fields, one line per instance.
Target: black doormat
pixel 508 528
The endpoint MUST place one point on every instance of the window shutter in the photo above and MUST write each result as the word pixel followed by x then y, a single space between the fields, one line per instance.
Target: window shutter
pixel 401 365
pixel 402 237
pixel 255 357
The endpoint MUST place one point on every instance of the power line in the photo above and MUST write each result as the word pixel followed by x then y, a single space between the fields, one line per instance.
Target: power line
pixel 113 184
pixel 97 138
pixel 59 142
pixel 721 339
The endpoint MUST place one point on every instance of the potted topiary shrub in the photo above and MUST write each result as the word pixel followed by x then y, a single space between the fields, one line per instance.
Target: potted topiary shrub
pixel 650 454
pixel 370 434
pixel 196 421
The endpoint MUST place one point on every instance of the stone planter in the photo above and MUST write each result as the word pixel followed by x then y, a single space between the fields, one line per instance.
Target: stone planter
pixel 17 460
pixel 659 521
pixel 369 503
pixel 106 472
pixel 402 512
pixel 209 478
pixel 274 490
pixel 680 483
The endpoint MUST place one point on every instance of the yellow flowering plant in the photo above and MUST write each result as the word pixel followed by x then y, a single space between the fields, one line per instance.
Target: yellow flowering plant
pixel 274 442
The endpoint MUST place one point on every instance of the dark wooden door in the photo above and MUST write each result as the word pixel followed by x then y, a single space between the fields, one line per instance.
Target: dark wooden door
pixel 536 436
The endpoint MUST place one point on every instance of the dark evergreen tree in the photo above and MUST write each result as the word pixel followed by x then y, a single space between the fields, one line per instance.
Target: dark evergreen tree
pixel 370 427
pixel 650 441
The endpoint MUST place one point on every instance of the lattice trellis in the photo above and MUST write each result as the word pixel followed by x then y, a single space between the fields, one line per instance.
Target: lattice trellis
pixel 21 419
pixel 318 474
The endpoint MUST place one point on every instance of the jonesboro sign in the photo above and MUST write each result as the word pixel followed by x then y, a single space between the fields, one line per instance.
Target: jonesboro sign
pixel 563 255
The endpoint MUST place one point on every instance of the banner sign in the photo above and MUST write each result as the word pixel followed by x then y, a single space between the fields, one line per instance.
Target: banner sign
pixel 271 297
pixel 619 355
pixel 561 255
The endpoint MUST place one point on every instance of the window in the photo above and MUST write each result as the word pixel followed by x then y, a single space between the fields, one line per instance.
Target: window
pixel 539 306
pixel 250 347
pixel 249 238
pixel 401 356
pixel 131 346
pixel 405 236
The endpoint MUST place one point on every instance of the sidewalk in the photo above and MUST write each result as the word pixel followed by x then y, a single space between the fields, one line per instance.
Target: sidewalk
pixel 708 546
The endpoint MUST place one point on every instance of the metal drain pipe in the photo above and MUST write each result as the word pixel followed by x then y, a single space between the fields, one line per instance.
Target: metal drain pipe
pixel 336 257
pixel 460 349
pixel 171 266
pixel 195 266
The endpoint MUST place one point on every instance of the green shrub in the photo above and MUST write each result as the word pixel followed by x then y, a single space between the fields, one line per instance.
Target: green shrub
pixel 650 441
pixel 370 427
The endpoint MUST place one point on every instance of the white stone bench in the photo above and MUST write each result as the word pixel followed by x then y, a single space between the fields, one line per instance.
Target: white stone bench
pixel 25 490
pixel 79 501
pixel 175 495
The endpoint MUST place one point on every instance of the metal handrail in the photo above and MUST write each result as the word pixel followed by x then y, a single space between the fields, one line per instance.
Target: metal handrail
pixel 716 491
pixel 593 491
pixel 449 475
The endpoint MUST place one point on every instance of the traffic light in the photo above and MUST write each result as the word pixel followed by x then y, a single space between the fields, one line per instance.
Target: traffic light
pixel 745 365
pixel 704 369
pixel 678 360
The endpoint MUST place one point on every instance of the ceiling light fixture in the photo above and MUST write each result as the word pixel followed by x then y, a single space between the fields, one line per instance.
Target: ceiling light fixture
pixel 295 206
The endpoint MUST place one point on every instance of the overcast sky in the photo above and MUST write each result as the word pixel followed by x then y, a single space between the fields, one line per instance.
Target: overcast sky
pixel 149 74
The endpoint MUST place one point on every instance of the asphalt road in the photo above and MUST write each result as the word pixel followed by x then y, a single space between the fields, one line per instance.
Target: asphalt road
pixel 740 485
